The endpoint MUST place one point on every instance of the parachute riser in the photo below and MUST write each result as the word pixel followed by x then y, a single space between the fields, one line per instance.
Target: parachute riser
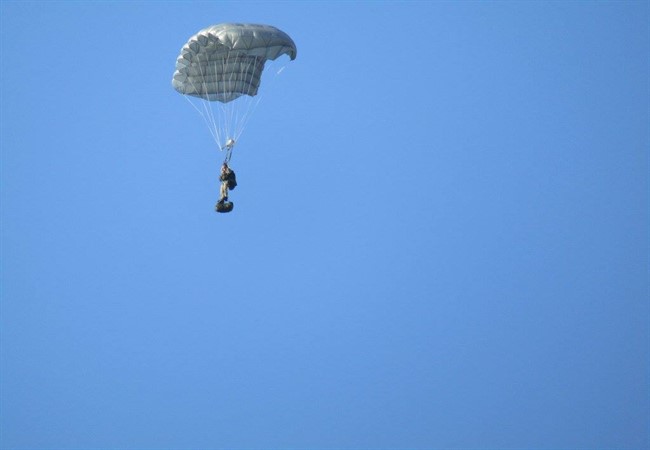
pixel 228 146
pixel 228 156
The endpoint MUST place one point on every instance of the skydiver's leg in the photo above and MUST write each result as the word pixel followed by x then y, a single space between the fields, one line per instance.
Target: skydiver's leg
pixel 223 193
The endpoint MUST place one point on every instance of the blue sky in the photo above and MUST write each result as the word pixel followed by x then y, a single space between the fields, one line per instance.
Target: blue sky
pixel 440 234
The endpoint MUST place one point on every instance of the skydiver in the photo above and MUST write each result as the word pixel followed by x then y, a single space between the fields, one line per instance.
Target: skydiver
pixel 228 181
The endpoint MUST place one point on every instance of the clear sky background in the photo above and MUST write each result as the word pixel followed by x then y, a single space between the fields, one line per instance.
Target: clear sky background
pixel 440 233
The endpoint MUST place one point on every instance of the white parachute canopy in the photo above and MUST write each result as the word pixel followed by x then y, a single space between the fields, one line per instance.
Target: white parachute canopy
pixel 222 67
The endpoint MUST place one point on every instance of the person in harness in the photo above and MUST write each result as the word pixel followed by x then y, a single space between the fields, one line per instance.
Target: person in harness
pixel 228 182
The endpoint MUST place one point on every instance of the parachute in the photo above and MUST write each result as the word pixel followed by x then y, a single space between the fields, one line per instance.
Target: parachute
pixel 221 66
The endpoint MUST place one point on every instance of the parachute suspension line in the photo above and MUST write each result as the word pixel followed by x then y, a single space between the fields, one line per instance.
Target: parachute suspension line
pixel 252 102
pixel 221 92
pixel 250 73
pixel 252 106
pixel 207 103
pixel 207 116
pixel 232 105
pixel 202 113
pixel 235 112
pixel 219 115
pixel 243 99
pixel 208 113
pixel 210 129
pixel 226 107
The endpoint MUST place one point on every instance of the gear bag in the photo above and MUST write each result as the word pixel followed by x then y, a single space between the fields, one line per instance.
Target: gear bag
pixel 224 207
pixel 232 180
